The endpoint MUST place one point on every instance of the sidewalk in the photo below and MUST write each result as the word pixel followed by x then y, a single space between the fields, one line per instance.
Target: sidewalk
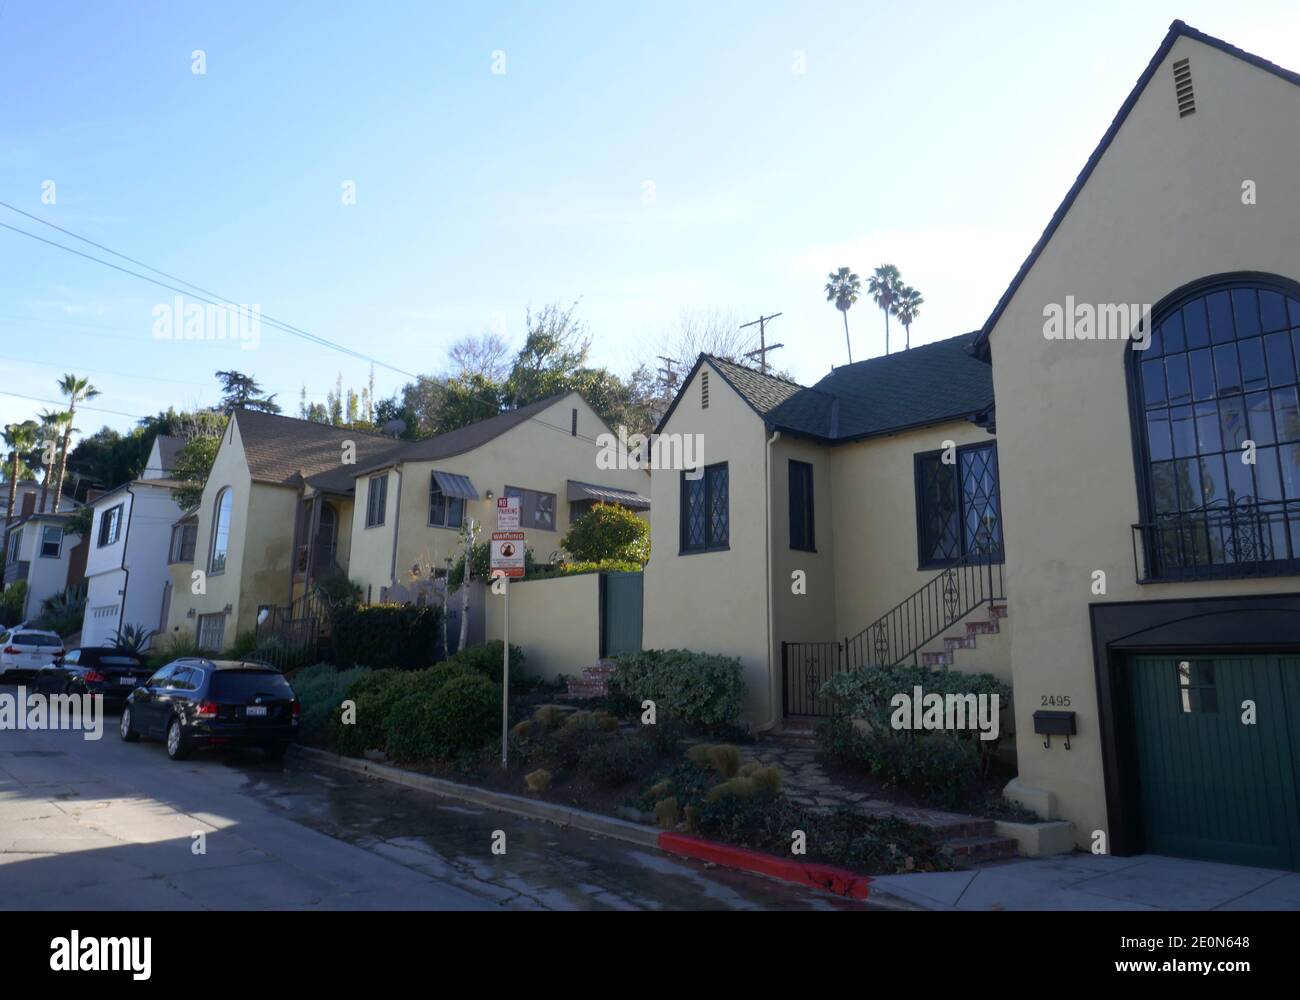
pixel 1098 882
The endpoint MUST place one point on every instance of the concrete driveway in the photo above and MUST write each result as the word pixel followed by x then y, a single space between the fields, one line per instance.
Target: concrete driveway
pixel 109 825
pixel 1098 882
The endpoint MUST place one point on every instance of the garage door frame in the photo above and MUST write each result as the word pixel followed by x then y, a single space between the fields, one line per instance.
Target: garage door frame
pixel 1194 626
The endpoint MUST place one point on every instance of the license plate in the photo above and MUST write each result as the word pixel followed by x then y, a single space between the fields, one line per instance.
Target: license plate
pixel 252 710
pixel 128 681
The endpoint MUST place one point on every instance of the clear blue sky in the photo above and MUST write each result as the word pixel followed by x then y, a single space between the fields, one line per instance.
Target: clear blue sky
pixel 938 137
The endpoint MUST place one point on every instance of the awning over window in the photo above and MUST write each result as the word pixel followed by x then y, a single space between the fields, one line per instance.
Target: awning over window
pixel 453 485
pixel 607 494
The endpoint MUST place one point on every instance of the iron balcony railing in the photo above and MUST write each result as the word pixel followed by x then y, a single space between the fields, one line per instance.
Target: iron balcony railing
pixel 1242 540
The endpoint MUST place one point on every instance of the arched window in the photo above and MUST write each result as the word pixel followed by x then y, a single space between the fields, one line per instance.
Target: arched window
pixel 220 532
pixel 1218 406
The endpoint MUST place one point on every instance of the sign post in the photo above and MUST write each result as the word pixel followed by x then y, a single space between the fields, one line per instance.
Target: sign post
pixel 507 549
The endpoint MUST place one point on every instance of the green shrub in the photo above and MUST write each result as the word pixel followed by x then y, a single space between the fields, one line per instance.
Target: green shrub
pixel 11 603
pixel 549 571
pixel 608 531
pixel 320 689
pixel 938 766
pixel 569 743
pixel 173 647
pixel 243 646
pixel 376 693
pixel 456 718
pixel 386 635
pixel 63 612
pixel 701 689
pixel 866 693
pixel 485 660
pixel 615 762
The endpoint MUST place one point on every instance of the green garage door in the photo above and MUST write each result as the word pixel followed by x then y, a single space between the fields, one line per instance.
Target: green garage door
pixel 1211 786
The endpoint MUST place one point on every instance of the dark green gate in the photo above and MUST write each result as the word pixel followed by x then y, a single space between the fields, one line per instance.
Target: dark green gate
pixel 620 613
pixel 1212 786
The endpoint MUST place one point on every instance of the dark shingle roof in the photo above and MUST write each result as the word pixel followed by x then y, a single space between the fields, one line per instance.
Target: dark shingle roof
pixel 286 451
pixel 925 385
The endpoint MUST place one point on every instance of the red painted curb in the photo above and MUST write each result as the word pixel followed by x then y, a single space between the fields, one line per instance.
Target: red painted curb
pixel 840 881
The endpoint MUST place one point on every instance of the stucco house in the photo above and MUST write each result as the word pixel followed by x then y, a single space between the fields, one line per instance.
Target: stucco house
pixel 43 551
pixel 413 500
pixel 290 501
pixel 1119 536
pixel 131 537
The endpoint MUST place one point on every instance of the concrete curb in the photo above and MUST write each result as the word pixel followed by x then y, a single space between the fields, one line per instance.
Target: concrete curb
pixel 606 826
pixel 837 881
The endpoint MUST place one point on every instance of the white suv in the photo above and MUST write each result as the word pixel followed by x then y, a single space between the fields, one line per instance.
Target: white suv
pixel 23 651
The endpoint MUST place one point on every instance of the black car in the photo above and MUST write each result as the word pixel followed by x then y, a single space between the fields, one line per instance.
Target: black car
pixel 194 702
pixel 105 670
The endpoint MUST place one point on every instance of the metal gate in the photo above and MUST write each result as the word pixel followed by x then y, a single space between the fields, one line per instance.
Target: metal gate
pixel 1213 785
pixel 805 667
pixel 621 596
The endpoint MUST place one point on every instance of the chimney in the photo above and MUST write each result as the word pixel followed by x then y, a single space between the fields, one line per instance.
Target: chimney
pixel 93 494
pixel 29 504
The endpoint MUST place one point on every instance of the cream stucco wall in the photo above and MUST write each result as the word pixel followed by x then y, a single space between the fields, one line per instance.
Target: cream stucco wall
pixel 715 602
pixel 539 454
pixel 556 622
pixel 1163 208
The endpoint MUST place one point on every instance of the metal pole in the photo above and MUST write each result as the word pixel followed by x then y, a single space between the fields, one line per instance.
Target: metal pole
pixel 505 675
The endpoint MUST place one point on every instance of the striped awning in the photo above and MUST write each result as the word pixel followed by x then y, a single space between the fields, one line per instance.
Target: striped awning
pixel 453 485
pixel 607 494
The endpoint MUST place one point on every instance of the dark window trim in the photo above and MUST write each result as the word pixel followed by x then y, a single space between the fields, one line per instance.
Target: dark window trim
pixel 1176 299
pixel 105 519
pixel 809 502
pixel 922 564
pixel 682 550
pixel 524 508
pixel 216 525
pixel 376 511
pixel 40 544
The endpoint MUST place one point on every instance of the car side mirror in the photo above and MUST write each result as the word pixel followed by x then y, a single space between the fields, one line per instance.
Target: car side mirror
pixel 142 694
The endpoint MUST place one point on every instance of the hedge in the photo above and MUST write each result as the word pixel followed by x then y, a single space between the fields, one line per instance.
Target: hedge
pixel 461 715
pixel 386 635
pixel 700 689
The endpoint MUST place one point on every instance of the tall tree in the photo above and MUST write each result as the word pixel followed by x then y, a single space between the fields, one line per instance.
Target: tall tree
pixel 842 288
pixel 906 309
pixel 243 392
pixel 78 390
pixel 19 439
pixel 51 432
pixel 883 285
pixel 487 355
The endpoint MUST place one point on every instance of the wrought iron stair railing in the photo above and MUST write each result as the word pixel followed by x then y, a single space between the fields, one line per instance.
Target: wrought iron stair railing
pixel 895 637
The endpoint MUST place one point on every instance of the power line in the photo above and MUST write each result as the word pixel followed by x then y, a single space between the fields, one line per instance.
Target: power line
pixel 212 298
pixel 64 402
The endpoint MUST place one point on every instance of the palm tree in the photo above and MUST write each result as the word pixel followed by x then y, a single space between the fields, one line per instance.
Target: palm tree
pixel 907 308
pixel 19 439
pixel 883 285
pixel 842 289
pixel 51 429
pixel 77 390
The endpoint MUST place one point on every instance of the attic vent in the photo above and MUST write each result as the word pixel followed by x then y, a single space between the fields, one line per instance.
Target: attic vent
pixel 704 390
pixel 1183 88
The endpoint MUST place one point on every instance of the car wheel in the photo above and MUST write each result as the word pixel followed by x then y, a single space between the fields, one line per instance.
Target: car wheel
pixel 124 727
pixel 178 747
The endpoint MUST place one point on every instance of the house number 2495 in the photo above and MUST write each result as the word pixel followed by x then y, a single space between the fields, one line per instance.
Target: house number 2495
pixel 1057 700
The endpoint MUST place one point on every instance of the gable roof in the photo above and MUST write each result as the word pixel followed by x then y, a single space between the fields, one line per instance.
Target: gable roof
pixel 168 447
pixel 285 451
pixel 1176 30
pixel 928 384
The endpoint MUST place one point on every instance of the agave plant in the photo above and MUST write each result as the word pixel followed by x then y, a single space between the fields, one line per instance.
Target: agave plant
pixel 134 638
pixel 63 612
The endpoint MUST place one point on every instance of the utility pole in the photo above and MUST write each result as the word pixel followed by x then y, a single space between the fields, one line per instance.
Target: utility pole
pixel 761 322
pixel 668 374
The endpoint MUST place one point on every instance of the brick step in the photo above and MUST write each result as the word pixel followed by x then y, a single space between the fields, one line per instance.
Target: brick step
pixel 976 850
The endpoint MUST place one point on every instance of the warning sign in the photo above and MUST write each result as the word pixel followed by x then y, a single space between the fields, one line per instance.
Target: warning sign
pixel 508 552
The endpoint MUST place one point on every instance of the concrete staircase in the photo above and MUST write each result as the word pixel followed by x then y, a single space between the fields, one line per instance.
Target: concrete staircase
pixel 594 682
pixel 967 638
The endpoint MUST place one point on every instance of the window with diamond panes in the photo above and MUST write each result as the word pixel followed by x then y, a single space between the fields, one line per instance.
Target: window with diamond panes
pixel 705 510
pixel 1220 374
pixel 959 513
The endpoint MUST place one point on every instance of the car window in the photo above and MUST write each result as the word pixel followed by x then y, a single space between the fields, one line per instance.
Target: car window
pixel 239 684
pixel 73 657
pixel 158 679
pixel 38 640
pixel 186 679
